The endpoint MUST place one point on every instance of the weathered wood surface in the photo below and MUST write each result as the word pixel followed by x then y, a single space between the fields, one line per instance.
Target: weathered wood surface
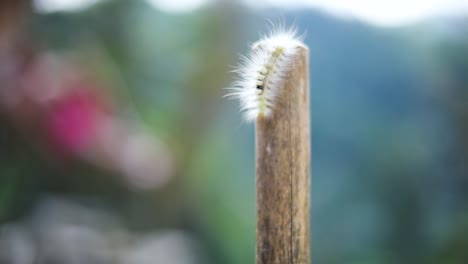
pixel 283 173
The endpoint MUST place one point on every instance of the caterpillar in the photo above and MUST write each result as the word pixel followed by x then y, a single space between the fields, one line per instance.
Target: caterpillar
pixel 261 74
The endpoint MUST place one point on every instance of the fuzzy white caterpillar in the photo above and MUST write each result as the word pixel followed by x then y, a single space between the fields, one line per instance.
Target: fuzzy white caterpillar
pixel 261 74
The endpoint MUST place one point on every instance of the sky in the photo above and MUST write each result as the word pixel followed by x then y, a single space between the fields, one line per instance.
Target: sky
pixel 379 12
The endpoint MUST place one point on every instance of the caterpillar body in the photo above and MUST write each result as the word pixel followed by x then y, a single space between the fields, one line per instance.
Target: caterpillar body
pixel 261 74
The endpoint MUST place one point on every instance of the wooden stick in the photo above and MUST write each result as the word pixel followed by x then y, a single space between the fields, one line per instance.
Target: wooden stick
pixel 283 173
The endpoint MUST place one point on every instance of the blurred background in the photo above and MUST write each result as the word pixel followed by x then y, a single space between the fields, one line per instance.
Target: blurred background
pixel 116 145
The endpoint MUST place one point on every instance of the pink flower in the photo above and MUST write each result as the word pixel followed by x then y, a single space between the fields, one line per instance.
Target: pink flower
pixel 73 120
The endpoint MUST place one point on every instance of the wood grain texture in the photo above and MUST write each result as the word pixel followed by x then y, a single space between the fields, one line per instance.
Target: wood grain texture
pixel 283 173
